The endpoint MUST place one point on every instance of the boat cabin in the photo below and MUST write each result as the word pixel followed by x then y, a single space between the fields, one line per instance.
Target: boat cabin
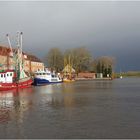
pixel 7 76
pixel 44 73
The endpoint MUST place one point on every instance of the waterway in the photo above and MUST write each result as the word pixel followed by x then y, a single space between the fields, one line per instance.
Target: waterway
pixel 83 109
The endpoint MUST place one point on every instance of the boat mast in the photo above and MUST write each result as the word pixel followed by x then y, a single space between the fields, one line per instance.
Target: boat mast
pixel 9 42
pixel 69 66
pixel 21 38
pixel 10 54
pixel 21 72
pixel 18 55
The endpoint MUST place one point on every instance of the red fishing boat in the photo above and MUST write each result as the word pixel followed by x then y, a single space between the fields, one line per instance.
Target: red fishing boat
pixel 15 78
pixel 8 81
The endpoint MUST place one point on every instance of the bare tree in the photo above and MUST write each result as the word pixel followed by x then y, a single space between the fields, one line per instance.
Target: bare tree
pixel 54 59
pixel 81 58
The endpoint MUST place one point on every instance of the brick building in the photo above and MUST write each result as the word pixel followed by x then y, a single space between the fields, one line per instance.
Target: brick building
pixel 86 75
pixel 31 62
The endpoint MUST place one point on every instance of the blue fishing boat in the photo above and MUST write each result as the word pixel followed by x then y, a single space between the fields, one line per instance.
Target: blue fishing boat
pixel 46 77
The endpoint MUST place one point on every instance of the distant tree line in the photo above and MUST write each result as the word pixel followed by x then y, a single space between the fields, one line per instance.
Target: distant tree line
pixel 81 60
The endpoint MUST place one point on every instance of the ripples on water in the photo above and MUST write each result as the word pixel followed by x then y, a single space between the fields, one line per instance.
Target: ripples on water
pixel 84 109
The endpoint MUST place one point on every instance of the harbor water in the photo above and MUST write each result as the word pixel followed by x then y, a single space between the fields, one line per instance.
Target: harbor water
pixel 82 109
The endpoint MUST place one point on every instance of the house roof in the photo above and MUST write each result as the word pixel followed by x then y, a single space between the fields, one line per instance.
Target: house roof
pixel 32 57
pixel 4 51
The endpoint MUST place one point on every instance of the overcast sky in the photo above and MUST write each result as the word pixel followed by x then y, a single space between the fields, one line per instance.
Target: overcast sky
pixel 105 28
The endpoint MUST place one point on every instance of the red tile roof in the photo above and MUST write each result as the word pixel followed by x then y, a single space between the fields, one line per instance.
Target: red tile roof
pixel 6 50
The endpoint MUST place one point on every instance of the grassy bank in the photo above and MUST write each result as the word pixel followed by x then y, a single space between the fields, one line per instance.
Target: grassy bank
pixel 128 74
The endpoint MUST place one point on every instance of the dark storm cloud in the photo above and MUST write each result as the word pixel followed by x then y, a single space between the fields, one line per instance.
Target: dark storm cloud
pixel 106 28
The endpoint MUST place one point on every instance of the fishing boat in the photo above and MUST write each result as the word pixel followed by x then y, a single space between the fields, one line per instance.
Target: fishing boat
pixel 46 77
pixel 8 81
pixel 68 71
pixel 15 78
pixel 68 80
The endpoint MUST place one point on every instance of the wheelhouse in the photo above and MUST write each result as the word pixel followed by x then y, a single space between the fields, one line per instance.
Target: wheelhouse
pixel 7 76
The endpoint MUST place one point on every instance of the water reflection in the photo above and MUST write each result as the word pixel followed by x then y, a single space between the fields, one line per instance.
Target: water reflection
pixel 105 84
pixel 61 96
pixel 13 104
pixel 6 104
pixel 84 109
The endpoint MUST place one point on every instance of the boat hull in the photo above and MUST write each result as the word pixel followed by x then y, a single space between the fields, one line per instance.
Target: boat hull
pixel 38 81
pixel 10 86
pixel 68 80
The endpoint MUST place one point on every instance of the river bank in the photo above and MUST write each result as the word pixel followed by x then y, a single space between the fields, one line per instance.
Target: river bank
pixel 92 79
pixel 128 74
